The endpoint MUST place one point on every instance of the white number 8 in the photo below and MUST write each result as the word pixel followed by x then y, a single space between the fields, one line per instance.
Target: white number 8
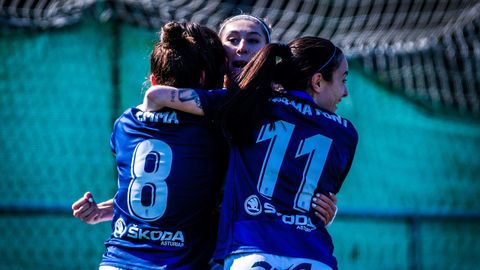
pixel 148 191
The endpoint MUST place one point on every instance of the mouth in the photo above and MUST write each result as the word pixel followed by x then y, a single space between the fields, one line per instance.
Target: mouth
pixel 239 64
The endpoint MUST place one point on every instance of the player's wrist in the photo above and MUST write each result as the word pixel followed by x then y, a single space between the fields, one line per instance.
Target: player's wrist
pixel 105 211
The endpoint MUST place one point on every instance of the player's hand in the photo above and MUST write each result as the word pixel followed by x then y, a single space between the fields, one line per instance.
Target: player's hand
pixel 325 207
pixel 86 209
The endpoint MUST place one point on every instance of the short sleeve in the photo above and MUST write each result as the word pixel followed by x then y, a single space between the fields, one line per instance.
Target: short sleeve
pixel 211 101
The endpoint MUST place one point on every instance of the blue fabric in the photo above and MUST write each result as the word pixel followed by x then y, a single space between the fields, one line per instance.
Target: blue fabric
pixel 171 166
pixel 269 185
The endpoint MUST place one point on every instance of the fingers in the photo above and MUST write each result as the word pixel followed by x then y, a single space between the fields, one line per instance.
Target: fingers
pixel 87 198
pixel 84 212
pixel 333 197
pixel 85 208
pixel 320 214
pixel 90 215
pixel 324 206
pixel 79 203
pixel 331 200
pixel 87 213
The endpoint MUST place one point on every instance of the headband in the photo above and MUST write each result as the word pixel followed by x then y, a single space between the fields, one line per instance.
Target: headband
pixel 248 17
pixel 329 60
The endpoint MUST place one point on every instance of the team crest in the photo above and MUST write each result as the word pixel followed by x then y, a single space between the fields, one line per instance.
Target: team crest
pixel 253 206
pixel 120 228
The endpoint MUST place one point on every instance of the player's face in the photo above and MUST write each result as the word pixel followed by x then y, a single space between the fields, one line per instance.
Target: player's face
pixel 241 40
pixel 334 90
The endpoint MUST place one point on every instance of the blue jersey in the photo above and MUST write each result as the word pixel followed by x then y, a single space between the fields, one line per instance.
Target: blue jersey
pixel 171 166
pixel 270 183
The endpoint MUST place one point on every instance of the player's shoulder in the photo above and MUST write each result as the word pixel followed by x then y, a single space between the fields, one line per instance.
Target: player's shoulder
pixel 121 119
pixel 128 113
pixel 341 124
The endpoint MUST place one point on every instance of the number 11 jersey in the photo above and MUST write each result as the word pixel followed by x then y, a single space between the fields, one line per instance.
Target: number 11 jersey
pixel 300 151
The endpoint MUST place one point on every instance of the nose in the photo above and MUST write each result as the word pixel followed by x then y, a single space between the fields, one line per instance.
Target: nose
pixel 242 47
pixel 345 93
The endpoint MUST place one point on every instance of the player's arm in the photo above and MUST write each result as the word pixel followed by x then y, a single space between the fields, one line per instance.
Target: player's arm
pixel 182 99
pixel 325 207
pixel 87 210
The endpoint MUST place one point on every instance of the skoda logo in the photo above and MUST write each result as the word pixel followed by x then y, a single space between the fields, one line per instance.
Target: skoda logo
pixel 120 228
pixel 253 206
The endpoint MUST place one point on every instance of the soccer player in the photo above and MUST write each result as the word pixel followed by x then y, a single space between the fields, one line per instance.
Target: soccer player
pixel 169 164
pixel 285 146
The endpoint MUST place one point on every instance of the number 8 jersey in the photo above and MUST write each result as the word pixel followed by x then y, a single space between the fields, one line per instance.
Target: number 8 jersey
pixel 171 166
pixel 270 182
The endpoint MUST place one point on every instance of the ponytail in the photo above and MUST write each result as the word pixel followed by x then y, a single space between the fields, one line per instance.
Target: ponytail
pixel 246 107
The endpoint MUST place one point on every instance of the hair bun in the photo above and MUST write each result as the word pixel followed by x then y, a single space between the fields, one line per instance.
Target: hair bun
pixel 174 35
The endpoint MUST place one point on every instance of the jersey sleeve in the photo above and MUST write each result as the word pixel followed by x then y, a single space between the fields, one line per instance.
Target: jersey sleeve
pixel 353 140
pixel 113 144
pixel 211 101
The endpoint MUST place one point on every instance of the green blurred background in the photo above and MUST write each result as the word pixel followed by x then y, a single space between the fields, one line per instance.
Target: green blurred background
pixel 411 200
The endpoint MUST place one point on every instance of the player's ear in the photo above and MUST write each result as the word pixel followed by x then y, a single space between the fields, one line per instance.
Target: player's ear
pixel 202 78
pixel 317 82
pixel 152 80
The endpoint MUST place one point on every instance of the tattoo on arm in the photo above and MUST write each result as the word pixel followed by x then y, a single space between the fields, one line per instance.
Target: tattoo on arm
pixel 187 95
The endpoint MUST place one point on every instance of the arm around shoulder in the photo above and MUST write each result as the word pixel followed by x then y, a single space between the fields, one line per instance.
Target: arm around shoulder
pixel 182 99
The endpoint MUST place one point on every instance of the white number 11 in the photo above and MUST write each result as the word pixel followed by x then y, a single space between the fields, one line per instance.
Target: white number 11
pixel 316 147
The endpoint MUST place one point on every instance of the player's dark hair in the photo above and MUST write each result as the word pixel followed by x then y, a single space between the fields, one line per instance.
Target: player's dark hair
pixel 290 66
pixel 183 52
pixel 213 54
